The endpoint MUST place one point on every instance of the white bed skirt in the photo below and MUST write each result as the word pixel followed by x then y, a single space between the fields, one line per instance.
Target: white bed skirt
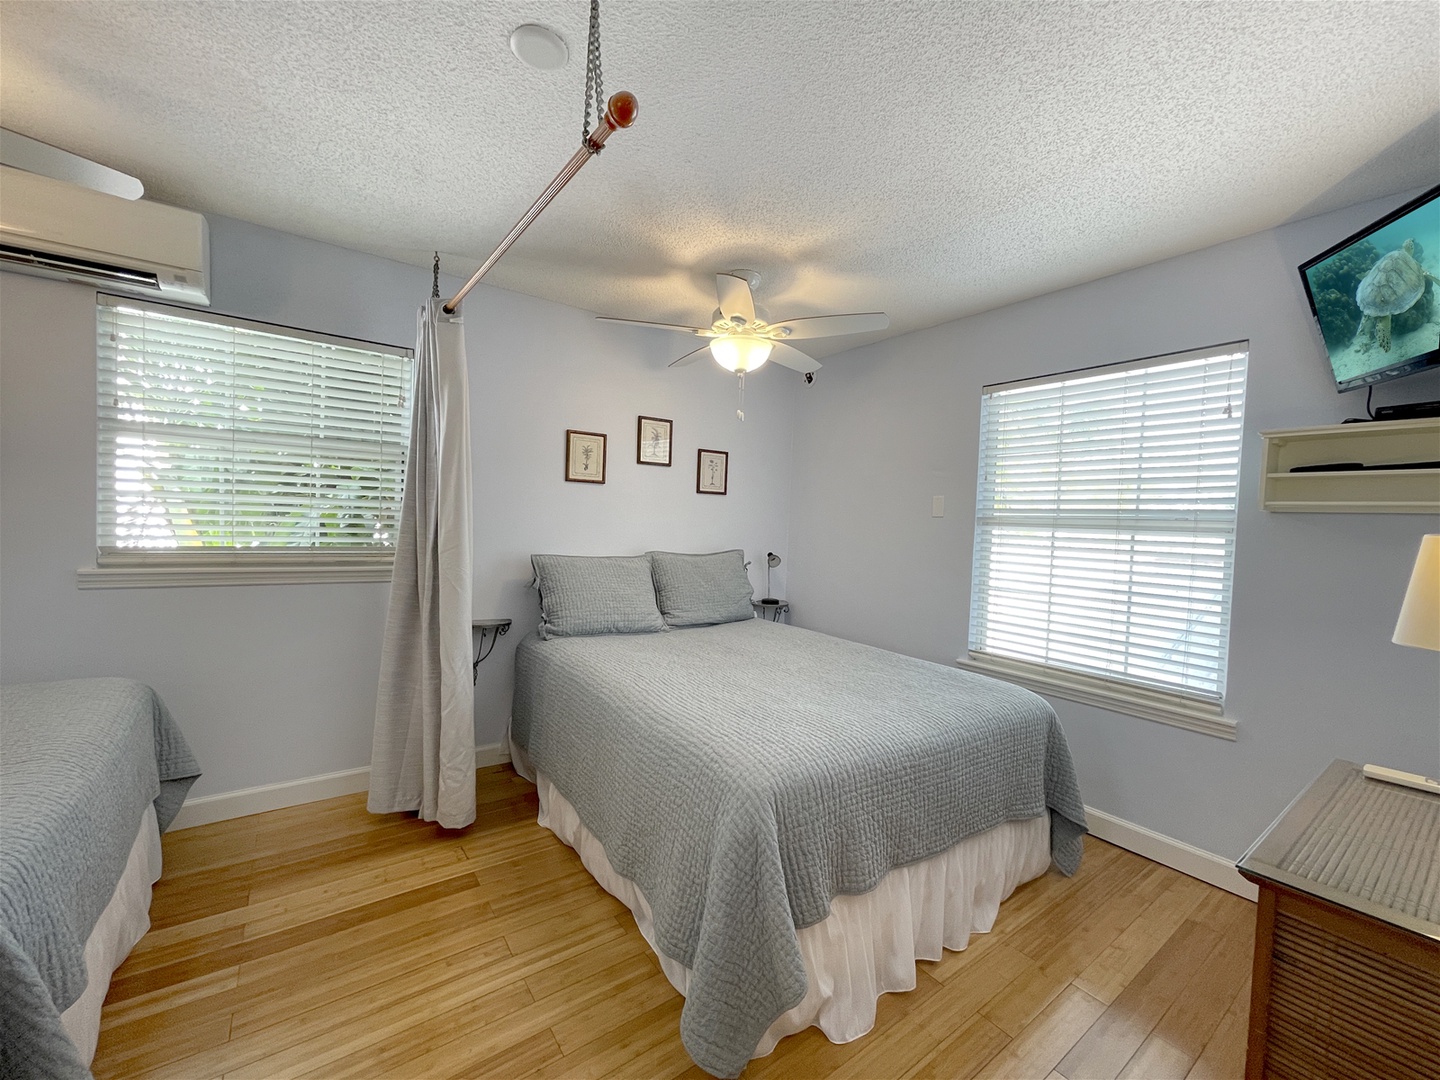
pixel 120 926
pixel 869 943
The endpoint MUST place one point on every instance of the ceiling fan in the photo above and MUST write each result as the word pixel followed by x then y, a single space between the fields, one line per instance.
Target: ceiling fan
pixel 741 341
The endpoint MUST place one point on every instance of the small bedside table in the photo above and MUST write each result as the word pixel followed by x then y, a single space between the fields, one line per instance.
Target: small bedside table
pixel 771 611
pixel 496 628
pixel 1347 933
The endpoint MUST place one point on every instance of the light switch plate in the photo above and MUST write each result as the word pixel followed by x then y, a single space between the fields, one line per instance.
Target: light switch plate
pixel 937 506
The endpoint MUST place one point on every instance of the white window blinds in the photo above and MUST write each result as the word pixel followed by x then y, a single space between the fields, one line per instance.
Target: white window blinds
pixel 218 435
pixel 1105 521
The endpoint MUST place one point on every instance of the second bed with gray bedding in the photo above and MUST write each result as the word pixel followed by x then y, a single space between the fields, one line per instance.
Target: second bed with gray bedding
pixel 743 775
pixel 81 760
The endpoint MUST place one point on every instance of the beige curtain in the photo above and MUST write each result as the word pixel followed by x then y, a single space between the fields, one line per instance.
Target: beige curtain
pixel 423 757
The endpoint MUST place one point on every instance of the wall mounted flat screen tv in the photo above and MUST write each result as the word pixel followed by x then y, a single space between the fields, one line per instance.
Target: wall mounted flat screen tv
pixel 1374 296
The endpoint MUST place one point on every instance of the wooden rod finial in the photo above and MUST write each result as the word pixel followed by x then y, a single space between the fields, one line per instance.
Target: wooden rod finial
pixel 621 110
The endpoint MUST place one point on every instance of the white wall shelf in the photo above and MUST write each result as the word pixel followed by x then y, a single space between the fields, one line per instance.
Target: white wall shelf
pixel 1353 491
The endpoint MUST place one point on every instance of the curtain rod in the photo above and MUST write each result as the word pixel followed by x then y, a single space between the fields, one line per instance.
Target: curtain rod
pixel 619 113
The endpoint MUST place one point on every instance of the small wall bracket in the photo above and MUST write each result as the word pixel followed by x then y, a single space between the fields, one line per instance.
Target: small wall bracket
pixel 496 628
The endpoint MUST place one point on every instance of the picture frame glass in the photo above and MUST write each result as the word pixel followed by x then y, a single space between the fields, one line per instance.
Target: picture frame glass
pixel 585 457
pixel 653 440
pixel 712 472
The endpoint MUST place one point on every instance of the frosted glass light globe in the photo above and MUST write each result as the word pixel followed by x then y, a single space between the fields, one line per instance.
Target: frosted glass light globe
pixel 739 353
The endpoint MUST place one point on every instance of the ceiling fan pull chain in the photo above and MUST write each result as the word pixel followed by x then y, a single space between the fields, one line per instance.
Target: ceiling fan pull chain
pixel 594 78
pixel 740 412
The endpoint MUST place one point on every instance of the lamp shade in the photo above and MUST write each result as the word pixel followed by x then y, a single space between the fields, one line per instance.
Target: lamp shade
pixel 1419 623
pixel 738 352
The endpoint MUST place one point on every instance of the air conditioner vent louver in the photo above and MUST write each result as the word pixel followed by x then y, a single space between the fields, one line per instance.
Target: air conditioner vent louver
pixel 51 228
pixel 77 269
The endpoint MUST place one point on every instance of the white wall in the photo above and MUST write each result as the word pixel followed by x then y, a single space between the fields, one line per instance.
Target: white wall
pixel 538 368
pixel 273 683
pixel 1313 675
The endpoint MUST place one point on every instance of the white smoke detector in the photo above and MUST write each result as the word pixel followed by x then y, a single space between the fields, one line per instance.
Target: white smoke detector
pixel 539 46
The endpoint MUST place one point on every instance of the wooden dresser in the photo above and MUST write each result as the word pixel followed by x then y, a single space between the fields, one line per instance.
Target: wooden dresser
pixel 1347 939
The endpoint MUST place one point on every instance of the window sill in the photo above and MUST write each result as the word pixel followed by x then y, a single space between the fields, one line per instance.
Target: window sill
pixel 1163 708
pixel 160 577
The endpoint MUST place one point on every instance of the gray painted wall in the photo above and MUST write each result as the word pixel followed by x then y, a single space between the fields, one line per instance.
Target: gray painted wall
pixel 273 683
pixel 1313 675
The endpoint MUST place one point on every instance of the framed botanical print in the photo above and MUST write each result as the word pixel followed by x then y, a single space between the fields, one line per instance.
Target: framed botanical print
pixel 652 441
pixel 711 472
pixel 585 457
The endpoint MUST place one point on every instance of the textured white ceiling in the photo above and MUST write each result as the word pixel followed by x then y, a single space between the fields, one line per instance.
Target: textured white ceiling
pixel 926 159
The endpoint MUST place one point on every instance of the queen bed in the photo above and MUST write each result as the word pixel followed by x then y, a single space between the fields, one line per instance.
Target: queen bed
pixel 793 818
pixel 91 772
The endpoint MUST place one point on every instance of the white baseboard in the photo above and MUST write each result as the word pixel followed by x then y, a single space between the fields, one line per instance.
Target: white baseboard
pixel 1170 852
pixel 491 754
pixel 257 800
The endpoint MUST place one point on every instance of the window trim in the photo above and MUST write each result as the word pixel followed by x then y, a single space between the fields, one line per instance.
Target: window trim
pixel 158 569
pixel 1203 713
pixel 299 333
pixel 140 568
pixel 198 574
pixel 1164 707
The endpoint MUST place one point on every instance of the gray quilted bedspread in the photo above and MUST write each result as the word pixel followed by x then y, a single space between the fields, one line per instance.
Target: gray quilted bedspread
pixel 742 775
pixel 79 762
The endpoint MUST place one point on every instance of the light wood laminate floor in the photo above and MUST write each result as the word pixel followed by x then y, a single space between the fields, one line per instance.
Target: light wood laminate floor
pixel 323 941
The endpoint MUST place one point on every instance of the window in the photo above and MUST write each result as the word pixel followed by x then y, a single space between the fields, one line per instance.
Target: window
pixel 1105 534
pixel 232 450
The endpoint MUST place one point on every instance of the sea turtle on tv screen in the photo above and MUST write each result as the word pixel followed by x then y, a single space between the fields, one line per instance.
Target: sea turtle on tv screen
pixel 1393 285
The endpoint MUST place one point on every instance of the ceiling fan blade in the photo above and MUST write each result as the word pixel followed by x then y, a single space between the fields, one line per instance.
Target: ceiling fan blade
pixel 691 357
pixel 655 325
pixel 786 356
pixel 832 325
pixel 735 298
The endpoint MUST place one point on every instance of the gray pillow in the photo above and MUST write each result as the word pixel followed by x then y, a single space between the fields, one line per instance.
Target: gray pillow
pixel 582 595
pixel 701 590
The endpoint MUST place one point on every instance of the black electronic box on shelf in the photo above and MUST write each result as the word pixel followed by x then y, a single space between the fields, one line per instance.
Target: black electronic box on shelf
pixel 1414 410
pixel 1352 466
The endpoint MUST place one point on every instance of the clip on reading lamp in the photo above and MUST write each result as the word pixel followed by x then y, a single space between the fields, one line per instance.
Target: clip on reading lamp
pixel 1419 627
pixel 771 561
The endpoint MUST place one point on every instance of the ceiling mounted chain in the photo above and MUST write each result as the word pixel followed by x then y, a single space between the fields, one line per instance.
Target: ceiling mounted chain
pixel 619 112
pixel 594 78
pixel 435 279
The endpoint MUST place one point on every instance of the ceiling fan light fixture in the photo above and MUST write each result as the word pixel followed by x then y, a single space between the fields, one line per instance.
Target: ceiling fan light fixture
pixel 740 353
pixel 745 340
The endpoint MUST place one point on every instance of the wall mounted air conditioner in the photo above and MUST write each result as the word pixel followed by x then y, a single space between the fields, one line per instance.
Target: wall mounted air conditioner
pixel 55 229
